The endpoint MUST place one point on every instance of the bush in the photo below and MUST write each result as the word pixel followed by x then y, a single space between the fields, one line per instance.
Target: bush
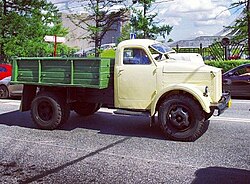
pixel 227 65
pixel 109 53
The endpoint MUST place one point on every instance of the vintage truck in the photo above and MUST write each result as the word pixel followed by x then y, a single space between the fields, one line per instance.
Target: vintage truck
pixel 184 94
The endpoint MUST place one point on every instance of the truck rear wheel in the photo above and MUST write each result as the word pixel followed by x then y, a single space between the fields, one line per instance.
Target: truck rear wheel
pixel 86 109
pixel 181 118
pixel 48 111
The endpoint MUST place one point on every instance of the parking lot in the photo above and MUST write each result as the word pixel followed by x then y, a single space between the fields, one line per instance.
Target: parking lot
pixel 109 148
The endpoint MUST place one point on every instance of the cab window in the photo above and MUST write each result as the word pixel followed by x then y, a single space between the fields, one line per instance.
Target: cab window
pixel 135 56
pixel 2 69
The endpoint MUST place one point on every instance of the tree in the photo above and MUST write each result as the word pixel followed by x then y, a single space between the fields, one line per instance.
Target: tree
pixel 24 24
pixel 144 24
pixel 125 34
pixel 242 25
pixel 99 19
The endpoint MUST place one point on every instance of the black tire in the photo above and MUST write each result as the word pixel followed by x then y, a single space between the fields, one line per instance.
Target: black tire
pixel 86 109
pixel 4 92
pixel 48 111
pixel 181 118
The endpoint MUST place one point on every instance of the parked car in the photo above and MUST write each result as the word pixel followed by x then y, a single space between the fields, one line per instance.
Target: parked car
pixel 237 81
pixel 6 89
pixel 5 71
pixel 91 50
pixel 108 46
pixel 234 57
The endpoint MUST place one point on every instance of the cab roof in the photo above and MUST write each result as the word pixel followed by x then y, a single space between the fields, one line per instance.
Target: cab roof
pixel 138 42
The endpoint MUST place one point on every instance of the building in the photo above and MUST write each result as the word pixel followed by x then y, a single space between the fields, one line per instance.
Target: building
pixel 203 41
pixel 75 37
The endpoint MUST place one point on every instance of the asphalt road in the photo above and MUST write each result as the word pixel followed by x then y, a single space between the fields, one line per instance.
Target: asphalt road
pixel 108 148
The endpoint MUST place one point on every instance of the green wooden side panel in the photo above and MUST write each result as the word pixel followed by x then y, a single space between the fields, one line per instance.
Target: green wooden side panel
pixel 27 71
pixel 53 71
pixel 82 72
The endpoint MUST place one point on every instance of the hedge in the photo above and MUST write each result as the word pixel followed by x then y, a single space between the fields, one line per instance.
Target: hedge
pixel 227 65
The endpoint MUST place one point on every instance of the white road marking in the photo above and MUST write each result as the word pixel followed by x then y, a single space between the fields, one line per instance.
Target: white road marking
pixel 10 102
pixel 241 102
pixel 241 120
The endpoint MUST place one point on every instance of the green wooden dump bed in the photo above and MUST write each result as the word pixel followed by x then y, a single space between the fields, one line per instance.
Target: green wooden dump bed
pixel 68 72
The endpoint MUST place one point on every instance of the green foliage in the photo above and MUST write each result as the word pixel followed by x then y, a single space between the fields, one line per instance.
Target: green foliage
pixel 109 53
pixel 23 26
pixel 125 34
pixel 227 65
pixel 144 25
pixel 240 28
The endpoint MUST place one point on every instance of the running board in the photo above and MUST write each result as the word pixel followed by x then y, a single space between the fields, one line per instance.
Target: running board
pixel 134 113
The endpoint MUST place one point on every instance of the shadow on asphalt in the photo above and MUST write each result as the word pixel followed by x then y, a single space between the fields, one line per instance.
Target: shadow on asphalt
pixel 17 118
pixel 221 175
pixel 113 124
pixel 103 122
pixel 10 169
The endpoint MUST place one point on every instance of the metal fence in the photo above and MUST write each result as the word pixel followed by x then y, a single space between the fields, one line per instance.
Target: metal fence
pixel 217 51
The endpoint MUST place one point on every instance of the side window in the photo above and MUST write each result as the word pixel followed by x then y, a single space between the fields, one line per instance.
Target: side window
pixel 244 71
pixel 135 56
pixel 239 72
pixel 2 69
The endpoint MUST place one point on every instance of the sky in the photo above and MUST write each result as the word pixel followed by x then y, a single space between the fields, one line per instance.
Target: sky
pixel 189 18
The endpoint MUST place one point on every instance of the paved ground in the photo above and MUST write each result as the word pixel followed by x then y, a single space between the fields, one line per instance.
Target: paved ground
pixel 108 148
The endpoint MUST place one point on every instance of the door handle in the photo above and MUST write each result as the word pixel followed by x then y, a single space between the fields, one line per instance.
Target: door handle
pixel 120 71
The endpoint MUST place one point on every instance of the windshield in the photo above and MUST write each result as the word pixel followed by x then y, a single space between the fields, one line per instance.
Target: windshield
pixel 161 48
pixel 160 51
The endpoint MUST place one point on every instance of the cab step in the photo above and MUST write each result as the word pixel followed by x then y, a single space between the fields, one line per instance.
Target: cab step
pixel 134 113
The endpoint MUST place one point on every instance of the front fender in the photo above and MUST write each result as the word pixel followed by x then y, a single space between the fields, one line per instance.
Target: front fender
pixel 195 91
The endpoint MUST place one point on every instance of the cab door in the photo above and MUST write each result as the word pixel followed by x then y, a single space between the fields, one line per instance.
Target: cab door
pixel 136 80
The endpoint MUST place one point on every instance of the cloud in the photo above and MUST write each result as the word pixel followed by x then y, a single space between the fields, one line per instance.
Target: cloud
pixel 209 23
pixel 173 21
pixel 192 18
pixel 214 17
pixel 198 12
pixel 200 33
pixel 182 6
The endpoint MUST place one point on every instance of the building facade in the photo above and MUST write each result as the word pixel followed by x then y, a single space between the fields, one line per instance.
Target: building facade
pixel 75 37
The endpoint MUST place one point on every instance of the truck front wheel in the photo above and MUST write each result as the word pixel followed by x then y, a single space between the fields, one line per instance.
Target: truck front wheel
pixel 48 111
pixel 181 118
pixel 86 109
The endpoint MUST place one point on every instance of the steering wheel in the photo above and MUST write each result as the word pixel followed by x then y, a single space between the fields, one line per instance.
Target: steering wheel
pixel 158 57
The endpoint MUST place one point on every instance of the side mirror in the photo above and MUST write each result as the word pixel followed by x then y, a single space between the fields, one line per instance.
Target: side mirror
pixel 227 81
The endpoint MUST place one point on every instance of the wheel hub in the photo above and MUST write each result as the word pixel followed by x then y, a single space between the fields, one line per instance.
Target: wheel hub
pixel 179 118
pixel 45 111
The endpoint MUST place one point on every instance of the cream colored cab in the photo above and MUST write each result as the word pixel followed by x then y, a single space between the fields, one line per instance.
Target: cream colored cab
pixel 149 77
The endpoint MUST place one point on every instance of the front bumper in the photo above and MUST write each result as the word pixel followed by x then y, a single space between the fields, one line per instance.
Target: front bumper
pixel 224 103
